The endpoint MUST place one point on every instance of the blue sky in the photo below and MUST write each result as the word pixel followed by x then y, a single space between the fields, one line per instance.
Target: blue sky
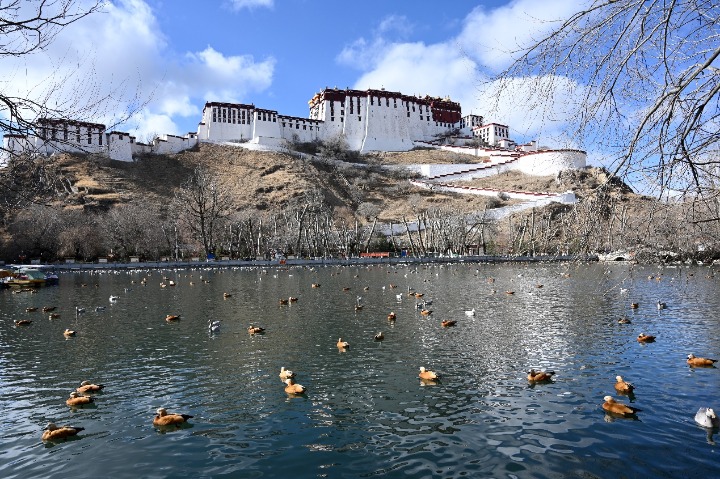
pixel 168 57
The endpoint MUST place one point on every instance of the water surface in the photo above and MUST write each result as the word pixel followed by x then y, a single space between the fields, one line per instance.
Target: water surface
pixel 365 412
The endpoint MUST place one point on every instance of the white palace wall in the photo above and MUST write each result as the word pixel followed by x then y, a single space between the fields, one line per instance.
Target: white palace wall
pixel 369 120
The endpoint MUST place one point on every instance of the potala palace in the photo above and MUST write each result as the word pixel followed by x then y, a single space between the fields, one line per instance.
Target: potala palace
pixel 368 120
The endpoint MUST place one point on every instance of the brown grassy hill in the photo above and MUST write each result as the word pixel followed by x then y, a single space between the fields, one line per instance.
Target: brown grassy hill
pixel 272 181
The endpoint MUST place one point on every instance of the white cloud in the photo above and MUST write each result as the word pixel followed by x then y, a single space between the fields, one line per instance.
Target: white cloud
pixel 491 37
pixel 110 62
pixel 363 54
pixel 240 4
pixel 459 67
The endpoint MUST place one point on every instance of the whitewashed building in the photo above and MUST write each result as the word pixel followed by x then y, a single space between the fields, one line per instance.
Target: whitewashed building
pixel 71 136
pixel 368 120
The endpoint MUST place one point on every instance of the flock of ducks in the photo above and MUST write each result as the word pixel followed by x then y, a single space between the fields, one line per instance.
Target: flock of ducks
pixel 705 417
pixel 80 398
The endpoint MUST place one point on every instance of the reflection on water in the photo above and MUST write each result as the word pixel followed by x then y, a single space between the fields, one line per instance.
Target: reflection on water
pixel 365 411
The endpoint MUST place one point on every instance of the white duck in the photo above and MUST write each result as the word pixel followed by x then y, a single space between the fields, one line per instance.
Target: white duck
pixel 471 312
pixel 706 417
pixel 213 326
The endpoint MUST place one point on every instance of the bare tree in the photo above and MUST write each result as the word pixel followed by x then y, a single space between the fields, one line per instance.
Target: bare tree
pixel 203 202
pixel 645 77
pixel 26 27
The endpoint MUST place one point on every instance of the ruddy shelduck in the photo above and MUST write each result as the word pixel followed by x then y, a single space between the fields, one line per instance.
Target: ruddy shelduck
pixel 172 317
pixel 164 418
pixel 77 399
pixel 342 344
pixel 692 360
pixel 392 316
pixel 447 323
pixel 69 332
pixel 645 338
pixel 255 329
pixel 427 374
pixel 379 336
pixel 539 376
pixel 614 407
pixel 23 322
pixel 88 387
pixel 293 388
pixel 622 386
pixel 53 432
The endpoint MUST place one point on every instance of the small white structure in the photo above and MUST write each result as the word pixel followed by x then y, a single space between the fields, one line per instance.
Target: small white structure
pixel 492 134
pixel 71 136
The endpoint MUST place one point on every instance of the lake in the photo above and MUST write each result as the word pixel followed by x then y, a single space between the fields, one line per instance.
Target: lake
pixel 365 412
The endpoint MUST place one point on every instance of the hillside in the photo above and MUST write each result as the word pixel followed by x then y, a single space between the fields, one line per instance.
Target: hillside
pixel 87 206
pixel 271 181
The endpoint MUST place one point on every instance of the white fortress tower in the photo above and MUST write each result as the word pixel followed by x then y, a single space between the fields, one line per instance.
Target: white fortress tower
pixel 369 120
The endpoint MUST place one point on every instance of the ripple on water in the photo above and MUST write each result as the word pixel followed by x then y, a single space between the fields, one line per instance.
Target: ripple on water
pixel 366 412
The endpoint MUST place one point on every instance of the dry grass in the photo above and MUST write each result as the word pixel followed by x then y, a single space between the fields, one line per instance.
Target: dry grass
pixel 272 182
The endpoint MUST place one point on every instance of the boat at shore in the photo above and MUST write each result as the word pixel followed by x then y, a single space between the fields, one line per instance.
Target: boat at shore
pixel 27 277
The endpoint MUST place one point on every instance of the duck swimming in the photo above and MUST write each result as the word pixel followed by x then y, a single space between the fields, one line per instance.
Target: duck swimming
pixel 379 336
pixel 448 323
pixel 342 344
pixel 612 406
pixel 623 386
pixel 692 360
pixel 539 376
pixel 293 388
pixel 645 338
pixel 427 374
pixel 53 433
pixel 163 418
pixel 706 417
pixel 255 329
pixel 77 399
pixel 88 387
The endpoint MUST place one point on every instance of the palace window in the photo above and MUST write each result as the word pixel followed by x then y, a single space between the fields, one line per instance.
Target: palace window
pixel 304 127
pixel 387 101
pixel 100 138
pixel 214 110
pixel 89 132
pixel 224 115
pixel 283 124
pixel 297 126
pixel 332 118
pixel 372 100
pixel 77 134
pixel 359 118
pixel 232 115
pixel 408 114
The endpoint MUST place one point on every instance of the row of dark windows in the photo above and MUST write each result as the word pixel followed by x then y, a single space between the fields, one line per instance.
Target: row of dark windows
pixel 66 134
